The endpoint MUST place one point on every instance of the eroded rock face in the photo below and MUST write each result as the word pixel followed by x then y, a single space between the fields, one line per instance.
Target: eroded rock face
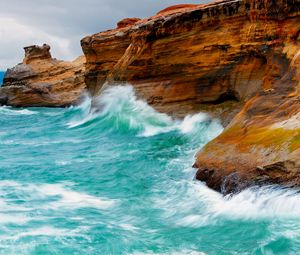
pixel 223 58
pixel 35 52
pixel 43 81
pixel 261 145
pixel 191 58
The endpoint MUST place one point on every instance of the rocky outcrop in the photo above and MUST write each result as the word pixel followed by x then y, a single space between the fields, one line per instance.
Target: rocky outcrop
pixel 43 81
pixel 167 60
pixel 262 143
pixel 35 52
pixel 192 58
pixel 225 58
pixel 235 59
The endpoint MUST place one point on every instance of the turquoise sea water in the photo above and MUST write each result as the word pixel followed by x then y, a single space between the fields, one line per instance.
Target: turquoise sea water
pixel 119 181
pixel 1 77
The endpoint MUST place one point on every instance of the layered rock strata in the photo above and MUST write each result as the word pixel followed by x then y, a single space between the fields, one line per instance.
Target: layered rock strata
pixel 217 58
pixel 193 57
pixel 41 80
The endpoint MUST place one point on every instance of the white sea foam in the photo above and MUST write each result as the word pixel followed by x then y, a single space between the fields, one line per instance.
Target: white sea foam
pixel 35 143
pixel 12 111
pixel 63 196
pixel 47 231
pixel 252 203
pixel 72 199
pixel 15 219
pixel 44 231
pixel 62 162
pixel 38 200
pixel 189 122
pixel 181 252
pixel 201 206
pixel 128 227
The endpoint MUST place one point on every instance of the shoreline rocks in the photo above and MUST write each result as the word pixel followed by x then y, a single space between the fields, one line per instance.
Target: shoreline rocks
pixel 236 60
pixel 42 81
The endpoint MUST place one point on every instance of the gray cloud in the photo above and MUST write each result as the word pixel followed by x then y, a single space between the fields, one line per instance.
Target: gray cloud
pixel 62 23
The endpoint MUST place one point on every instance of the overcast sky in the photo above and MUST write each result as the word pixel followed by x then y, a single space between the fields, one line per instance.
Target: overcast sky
pixel 62 23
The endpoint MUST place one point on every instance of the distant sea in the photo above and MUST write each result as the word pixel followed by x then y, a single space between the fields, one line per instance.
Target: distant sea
pixel 1 77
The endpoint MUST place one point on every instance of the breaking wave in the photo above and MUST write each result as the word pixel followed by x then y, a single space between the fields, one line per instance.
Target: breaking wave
pixel 119 109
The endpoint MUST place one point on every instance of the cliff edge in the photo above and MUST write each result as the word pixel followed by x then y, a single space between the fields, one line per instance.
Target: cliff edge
pixel 225 58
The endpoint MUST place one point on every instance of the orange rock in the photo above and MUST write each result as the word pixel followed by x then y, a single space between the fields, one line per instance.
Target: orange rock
pixel 127 22
pixel 215 58
pixel 177 7
pixel 43 81
pixel 198 56
pixel 35 52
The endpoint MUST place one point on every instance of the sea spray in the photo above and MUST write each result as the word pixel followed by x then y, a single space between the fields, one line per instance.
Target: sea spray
pixel 119 107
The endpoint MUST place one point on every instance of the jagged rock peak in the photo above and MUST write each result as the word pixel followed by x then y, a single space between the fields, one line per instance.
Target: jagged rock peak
pixel 34 52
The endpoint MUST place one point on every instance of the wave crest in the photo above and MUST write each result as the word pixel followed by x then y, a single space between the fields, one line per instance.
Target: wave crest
pixel 118 108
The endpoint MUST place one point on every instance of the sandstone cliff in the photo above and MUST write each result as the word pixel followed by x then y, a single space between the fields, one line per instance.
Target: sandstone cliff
pixel 217 58
pixel 43 81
